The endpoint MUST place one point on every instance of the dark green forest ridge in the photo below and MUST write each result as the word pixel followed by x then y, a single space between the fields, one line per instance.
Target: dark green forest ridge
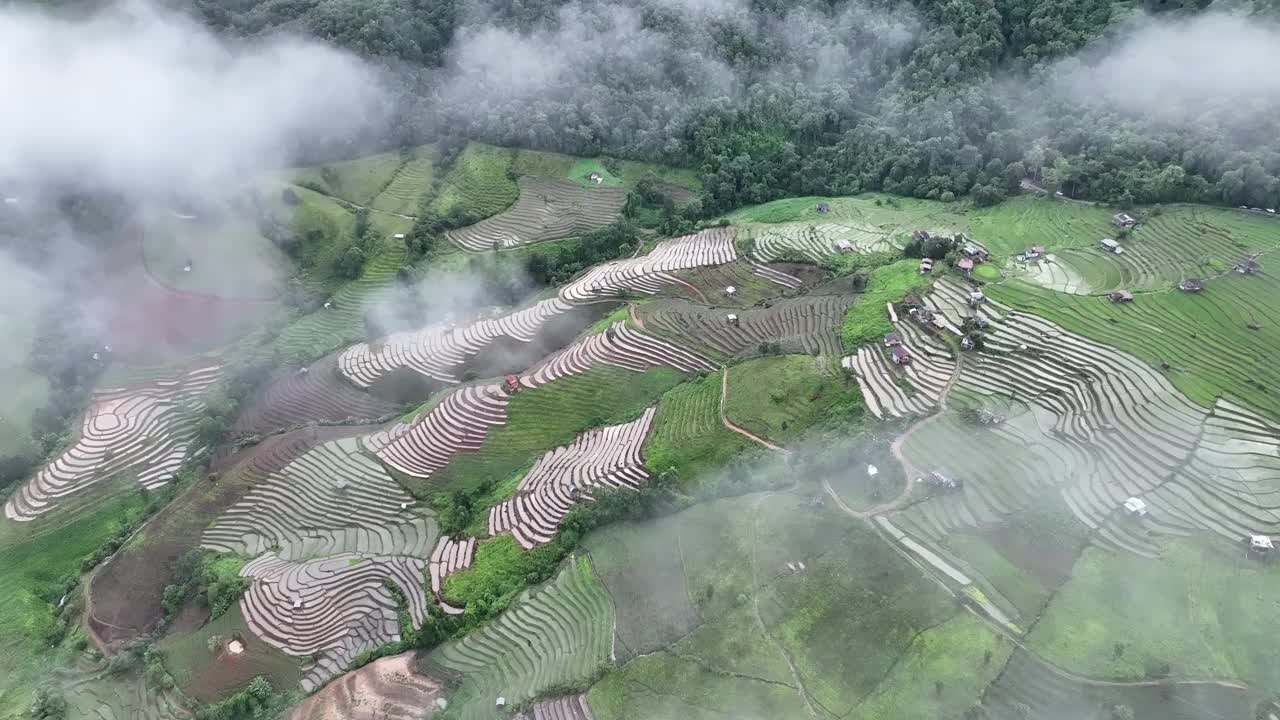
pixel 773 98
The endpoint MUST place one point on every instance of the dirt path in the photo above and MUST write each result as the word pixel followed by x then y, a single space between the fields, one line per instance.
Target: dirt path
pixel 631 312
pixel 755 606
pixel 724 400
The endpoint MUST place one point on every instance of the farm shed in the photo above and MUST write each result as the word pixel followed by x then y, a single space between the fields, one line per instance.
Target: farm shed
pixel 1261 543
pixel 1135 506
pixel 912 301
pixel 733 319
pixel 971 250
pixel 901 355
pixel 824 207
pixel 1034 252
pixel 926 266
pixel 920 235
pixel 731 290
pixel 1121 296
pixel 843 246
pixel 1191 285
pixel 976 298
pixel 892 339
pixel 596 178
pixel 1109 245
pixel 1249 265
pixel 1124 220
pixel 964 265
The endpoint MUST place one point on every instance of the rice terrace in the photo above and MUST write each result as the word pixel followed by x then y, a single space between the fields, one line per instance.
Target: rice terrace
pixel 807 408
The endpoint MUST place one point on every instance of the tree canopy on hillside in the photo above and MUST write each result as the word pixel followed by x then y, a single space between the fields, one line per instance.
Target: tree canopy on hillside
pixel 929 98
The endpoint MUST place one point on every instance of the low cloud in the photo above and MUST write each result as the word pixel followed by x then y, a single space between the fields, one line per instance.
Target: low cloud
pixel 138 99
pixel 1178 70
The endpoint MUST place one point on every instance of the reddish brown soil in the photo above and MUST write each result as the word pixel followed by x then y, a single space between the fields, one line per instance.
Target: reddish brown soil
pixel 387 688
pixel 125 593
pixel 148 323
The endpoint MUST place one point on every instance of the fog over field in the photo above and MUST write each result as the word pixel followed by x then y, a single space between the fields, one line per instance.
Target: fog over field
pixel 138 98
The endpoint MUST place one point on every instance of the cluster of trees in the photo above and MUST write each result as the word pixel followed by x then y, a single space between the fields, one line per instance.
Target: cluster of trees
pixel 198 575
pixel 929 98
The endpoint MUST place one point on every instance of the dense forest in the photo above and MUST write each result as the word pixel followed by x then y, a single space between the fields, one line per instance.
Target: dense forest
pixel 1162 101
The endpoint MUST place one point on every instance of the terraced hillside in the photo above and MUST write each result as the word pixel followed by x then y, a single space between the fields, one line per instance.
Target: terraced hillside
pixel 1107 427
pixel 688 434
pixel 607 457
pixel 546 210
pixel 437 351
pixel 343 322
pixel 332 609
pixel 315 393
pixel 1179 242
pixel 1218 342
pixel 127 593
pixel 1029 690
pixel 808 325
pixel 895 390
pixel 144 430
pixel 333 499
pixel 647 274
pixel 554 635
pixel 817 241
pixel 410 184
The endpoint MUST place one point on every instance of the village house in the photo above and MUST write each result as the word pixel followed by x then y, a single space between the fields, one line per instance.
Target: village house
pixel 1191 285
pixel 912 301
pixel 974 252
pixel 892 339
pixel 1124 220
pixel 1249 265
pixel 976 298
pixel 920 235
pixel 901 355
pixel 966 342
pixel 1260 544
pixel 965 265
pixel 1119 296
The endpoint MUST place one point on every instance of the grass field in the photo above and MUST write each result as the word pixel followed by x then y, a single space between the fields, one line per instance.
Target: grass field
pixel 30 574
pixel 630 172
pixel 687 433
pixel 210 674
pixel 227 255
pixel 1018 223
pixel 358 181
pixel 1204 337
pixel 1199 609
pixel 779 397
pixel 851 614
pixel 545 418
pixel 1018 592
pixel 867 320
pixel 954 654
pixel 884 211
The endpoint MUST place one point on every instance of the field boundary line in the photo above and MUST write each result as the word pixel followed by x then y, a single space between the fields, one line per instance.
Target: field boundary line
pixel 724 400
